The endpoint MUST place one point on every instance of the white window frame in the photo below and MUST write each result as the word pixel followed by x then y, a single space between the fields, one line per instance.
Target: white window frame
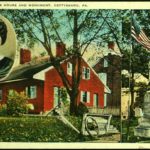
pixel 33 89
pixel 1 94
pixel 105 63
pixel 86 73
pixel 69 68
pixel 87 94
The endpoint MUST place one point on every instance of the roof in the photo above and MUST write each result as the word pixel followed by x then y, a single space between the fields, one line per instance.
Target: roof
pixel 41 75
pixel 28 69
pixel 102 52
pixel 37 69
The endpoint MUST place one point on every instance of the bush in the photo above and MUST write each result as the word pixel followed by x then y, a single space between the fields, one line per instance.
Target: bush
pixel 17 104
pixel 82 109
pixel 3 109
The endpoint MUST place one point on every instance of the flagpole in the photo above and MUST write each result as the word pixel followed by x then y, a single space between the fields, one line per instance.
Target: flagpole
pixel 149 71
pixel 130 72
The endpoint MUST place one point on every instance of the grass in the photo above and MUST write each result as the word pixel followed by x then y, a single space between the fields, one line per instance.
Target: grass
pixel 37 129
pixel 42 129
pixel 131 138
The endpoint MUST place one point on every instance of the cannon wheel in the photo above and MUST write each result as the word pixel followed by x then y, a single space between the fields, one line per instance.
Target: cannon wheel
pixel 94 122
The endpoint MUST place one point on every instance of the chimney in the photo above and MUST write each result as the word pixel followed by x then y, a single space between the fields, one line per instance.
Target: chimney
pixel 111 45
pixel 60 49
pixel 25 56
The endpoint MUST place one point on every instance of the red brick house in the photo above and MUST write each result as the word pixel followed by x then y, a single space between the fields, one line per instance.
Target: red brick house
pixel 42 83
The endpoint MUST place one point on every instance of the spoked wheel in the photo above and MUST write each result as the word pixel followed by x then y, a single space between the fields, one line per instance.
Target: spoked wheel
pixel 91 126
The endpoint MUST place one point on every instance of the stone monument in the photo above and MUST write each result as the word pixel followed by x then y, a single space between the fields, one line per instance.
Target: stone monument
pixel 143 129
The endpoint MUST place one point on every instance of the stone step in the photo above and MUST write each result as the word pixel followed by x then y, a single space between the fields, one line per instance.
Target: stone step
pixel 112 131
pixel 146 120
pixel 146 115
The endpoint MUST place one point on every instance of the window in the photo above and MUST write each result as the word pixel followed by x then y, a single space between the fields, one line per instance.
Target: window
pixel 86 73
pixel 103 78
pixel 105 63
pixel 85 96
pixel 69 68
pixel 1 95
pixel 95 100
pixel 31 92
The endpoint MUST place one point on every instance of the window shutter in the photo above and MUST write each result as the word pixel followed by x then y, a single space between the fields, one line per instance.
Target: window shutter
pixel 69 68
pixel 105 100
pixel 26 91
pixel 56 96
pixel 81 98
pixel 88 97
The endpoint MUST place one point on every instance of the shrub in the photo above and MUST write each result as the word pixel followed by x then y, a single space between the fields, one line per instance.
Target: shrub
pixel 17 104
pixel 82 109
pixel 3 109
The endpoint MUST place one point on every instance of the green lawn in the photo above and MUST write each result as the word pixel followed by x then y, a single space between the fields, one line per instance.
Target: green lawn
pixel 42 129
pixel 38 129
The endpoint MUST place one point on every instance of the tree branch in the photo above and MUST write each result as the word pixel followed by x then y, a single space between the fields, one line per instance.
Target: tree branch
pixel 89 42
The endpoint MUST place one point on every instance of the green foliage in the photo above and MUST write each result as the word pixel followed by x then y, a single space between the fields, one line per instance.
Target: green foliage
pixel 63 95
pixel 3 109
pixel 38 129
pixel 139 101
pixel 17 104
pixel 116 122
pixel 133 124
pixel 82 109
pixel 65 102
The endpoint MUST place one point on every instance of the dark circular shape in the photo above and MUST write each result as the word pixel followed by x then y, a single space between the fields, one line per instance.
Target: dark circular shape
pixel 92 126
pixel 3 32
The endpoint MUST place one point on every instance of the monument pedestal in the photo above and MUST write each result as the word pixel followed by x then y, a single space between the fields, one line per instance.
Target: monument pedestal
pixel 143 129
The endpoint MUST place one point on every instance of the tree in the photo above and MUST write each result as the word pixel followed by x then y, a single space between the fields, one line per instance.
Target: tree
pixel 135 57
pixel 81 27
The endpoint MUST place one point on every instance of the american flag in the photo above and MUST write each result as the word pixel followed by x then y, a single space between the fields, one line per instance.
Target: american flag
pixel 139 35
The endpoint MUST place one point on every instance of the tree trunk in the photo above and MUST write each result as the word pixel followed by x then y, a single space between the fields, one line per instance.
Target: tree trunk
pixel 75 85
pixel 132 96
pixel 74 103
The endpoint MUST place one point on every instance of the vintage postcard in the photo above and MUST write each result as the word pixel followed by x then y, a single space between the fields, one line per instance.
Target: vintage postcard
pixel 74 75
